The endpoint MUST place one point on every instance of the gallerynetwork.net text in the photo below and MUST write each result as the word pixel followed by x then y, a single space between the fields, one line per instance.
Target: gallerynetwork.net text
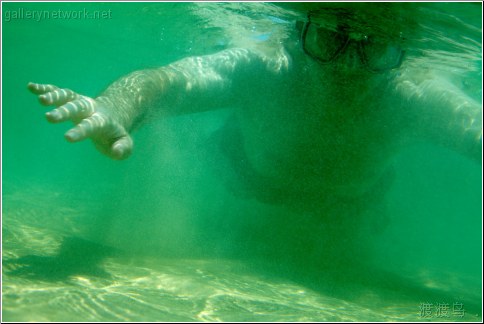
pixel 39 15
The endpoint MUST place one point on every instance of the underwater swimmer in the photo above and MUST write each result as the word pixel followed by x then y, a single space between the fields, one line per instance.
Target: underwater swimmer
pixel 336 105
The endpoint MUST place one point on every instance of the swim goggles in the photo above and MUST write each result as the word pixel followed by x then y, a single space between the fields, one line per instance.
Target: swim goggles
pixel 325 45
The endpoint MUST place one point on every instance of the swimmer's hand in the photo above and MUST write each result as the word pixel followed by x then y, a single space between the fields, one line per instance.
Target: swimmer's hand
pixel 91 117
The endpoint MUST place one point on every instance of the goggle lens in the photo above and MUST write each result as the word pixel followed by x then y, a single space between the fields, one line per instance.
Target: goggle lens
pixel 325 45
pixel 379 56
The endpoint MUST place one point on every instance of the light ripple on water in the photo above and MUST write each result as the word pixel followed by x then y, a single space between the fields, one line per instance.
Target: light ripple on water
pixel 149 289
pixel 181 290
pixel 173 291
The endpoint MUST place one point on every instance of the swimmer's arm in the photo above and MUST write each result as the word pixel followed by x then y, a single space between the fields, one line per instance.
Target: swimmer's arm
pixel 193 84
pixel 444 114
pixel 190 85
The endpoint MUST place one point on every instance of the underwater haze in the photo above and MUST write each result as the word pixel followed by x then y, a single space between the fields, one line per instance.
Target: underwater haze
pixel 160 237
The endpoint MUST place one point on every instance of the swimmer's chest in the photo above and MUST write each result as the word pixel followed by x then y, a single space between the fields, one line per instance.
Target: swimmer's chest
pixel 318 120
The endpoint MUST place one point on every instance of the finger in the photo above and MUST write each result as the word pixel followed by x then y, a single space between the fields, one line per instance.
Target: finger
pixel 86 128
pixel 57 97
pixel 121 149
pixel 39 89
pixel 78 109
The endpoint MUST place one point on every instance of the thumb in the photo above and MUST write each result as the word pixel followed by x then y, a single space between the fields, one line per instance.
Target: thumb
pixel 121 148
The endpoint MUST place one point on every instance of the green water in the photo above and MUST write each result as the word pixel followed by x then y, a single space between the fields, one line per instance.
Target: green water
pixel 159 237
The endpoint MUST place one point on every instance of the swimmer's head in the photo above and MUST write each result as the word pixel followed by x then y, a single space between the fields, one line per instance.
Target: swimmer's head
pixel 387 20
pixel 329 44
pixel 352 34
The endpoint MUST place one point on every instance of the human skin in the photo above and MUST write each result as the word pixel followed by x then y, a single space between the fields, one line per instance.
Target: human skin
pixel 305 126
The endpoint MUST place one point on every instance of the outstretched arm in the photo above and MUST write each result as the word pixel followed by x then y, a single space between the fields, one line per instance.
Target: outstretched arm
pixel 444 114
pixel 190 85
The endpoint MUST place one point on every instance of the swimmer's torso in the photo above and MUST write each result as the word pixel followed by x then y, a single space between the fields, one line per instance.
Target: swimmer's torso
pixel 317 133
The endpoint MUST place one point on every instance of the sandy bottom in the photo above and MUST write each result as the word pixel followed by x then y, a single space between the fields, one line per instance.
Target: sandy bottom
pixel 45 280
